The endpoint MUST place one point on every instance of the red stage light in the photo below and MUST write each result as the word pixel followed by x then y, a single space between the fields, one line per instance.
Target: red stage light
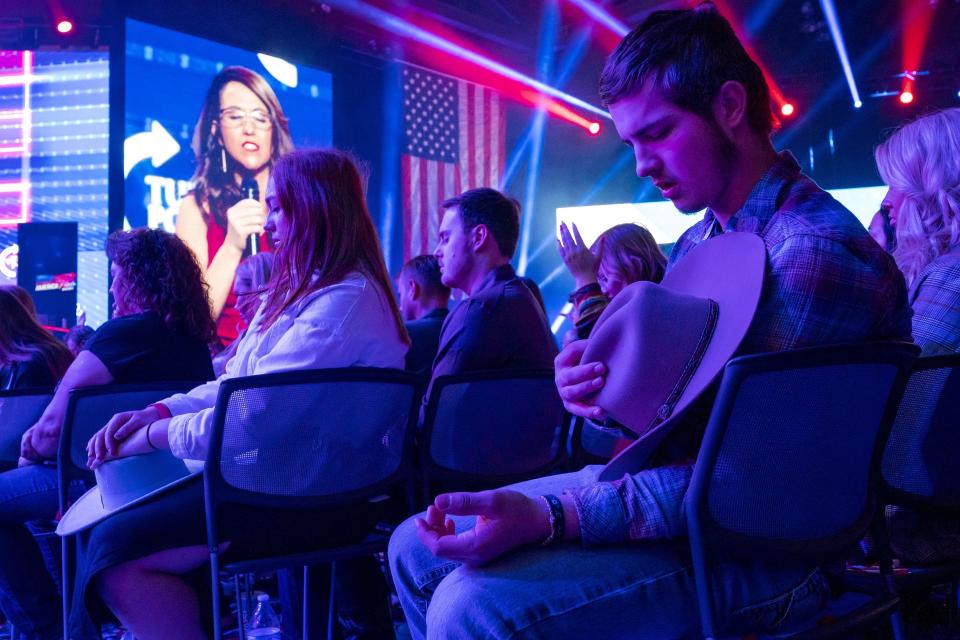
pixel 906 97
pixel 64 26
pixel 787 109
pixel 594 128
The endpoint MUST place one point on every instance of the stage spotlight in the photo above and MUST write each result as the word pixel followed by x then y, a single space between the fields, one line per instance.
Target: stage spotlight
pixel 594 128
pixel 906 97
pixel 830 12
pixel 64 27
pixel 787 109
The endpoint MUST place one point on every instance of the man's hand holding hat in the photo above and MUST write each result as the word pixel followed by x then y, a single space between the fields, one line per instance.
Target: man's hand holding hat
pixel 577 380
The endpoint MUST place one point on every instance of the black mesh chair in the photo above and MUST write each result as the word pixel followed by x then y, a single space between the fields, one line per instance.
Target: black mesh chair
pixel 309 440
pixel 789 466
pixel 590 445
pixel 919 470
pixel 19 410
pixel 485 429
pixel 88 410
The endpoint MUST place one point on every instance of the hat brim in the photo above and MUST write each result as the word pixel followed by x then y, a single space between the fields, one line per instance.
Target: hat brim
pixel 728 269
pixel 88 510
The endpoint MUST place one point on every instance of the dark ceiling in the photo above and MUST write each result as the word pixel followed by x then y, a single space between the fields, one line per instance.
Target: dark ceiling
pixel 789 36
pixel 833 140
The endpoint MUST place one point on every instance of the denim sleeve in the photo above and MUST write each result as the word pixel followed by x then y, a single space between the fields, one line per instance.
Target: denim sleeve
pixel 643 506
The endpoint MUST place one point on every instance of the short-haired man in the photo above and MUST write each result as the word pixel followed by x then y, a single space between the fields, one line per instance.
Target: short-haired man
pixel 500 325
pixel 423 305
pixel 695 109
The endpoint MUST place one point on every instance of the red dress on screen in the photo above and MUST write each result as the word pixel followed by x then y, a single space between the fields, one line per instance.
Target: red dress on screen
pixel 230 323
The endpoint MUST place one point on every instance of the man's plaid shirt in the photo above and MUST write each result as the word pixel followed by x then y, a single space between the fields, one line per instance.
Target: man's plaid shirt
pixel 826 282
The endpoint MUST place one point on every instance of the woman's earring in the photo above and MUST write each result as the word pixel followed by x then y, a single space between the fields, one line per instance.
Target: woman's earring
pixel 223 159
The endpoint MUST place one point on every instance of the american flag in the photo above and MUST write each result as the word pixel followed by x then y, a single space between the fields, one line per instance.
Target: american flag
pixel 453 141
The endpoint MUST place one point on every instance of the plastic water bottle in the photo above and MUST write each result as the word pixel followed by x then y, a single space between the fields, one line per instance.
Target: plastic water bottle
pixel 264 623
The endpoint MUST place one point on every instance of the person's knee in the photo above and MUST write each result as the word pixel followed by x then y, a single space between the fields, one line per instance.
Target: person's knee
pixel 401 544
pixel 454 609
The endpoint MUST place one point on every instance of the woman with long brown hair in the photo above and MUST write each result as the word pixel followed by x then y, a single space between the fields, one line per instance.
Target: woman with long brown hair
pixel 328 304
pixel 29 355
pixel 240 134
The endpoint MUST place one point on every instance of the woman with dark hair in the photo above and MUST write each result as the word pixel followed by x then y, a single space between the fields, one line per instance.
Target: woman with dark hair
pixel 23 296
pixel 239 136
pixel 160 329
pixel 250 283
pixel 29 355
pixel 328 304
pixel 622 255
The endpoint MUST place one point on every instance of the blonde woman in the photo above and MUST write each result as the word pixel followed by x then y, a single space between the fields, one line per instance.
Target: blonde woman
pixel 622 255
pixel 920 163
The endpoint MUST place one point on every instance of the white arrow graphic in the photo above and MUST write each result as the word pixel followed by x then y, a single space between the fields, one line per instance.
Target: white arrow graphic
pixel 156 144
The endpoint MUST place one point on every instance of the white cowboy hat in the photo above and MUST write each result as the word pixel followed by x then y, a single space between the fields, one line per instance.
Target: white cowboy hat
pixel 663 345
pixel 123 483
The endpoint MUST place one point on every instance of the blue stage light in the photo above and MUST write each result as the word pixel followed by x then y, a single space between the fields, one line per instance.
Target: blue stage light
pixel 830 12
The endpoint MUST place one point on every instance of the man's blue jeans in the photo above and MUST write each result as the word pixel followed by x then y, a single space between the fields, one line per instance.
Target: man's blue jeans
pixel 29 596
pixel 634 590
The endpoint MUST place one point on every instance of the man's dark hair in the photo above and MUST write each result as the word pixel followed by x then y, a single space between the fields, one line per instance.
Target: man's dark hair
pixel 688 54
pixel 499 213
pixel 425 270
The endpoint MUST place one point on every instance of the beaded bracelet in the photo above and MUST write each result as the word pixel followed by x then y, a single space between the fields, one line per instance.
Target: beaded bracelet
pixel 555 507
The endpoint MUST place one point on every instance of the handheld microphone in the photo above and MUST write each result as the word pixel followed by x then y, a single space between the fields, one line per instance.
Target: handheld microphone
pixel 250 190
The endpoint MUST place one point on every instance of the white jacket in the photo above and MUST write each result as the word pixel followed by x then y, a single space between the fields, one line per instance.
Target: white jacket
pixel 343 325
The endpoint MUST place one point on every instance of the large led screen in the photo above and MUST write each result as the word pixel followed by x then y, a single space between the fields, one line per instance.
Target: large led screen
pixel 54 108
pixel 167 77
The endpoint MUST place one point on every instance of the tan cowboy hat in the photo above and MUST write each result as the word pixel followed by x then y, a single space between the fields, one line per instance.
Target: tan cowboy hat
pixel 123 483
pixel 663 345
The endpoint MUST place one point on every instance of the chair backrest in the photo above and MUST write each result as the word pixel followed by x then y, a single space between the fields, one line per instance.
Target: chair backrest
pixel 487 428
pixel 919 462
pixel 589 444
pixel 790 460
pixel 310 439
pixel 19 410
pixel 89 409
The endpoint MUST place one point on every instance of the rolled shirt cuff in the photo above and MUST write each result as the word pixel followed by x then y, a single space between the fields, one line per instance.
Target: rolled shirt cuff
pixel 175 436
pixel 600 511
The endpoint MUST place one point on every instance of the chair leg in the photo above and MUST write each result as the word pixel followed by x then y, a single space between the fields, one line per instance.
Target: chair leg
pixel 952 604
pixel 880 537
pixel 332 603
pixel 64 587
pixel 306 602
pixel 215 593
pixel 241 631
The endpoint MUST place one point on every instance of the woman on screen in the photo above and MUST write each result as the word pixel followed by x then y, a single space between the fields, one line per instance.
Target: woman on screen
pixel 240 134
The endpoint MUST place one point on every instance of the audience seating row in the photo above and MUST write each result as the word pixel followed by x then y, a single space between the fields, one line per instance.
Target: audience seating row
pixel 796 458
